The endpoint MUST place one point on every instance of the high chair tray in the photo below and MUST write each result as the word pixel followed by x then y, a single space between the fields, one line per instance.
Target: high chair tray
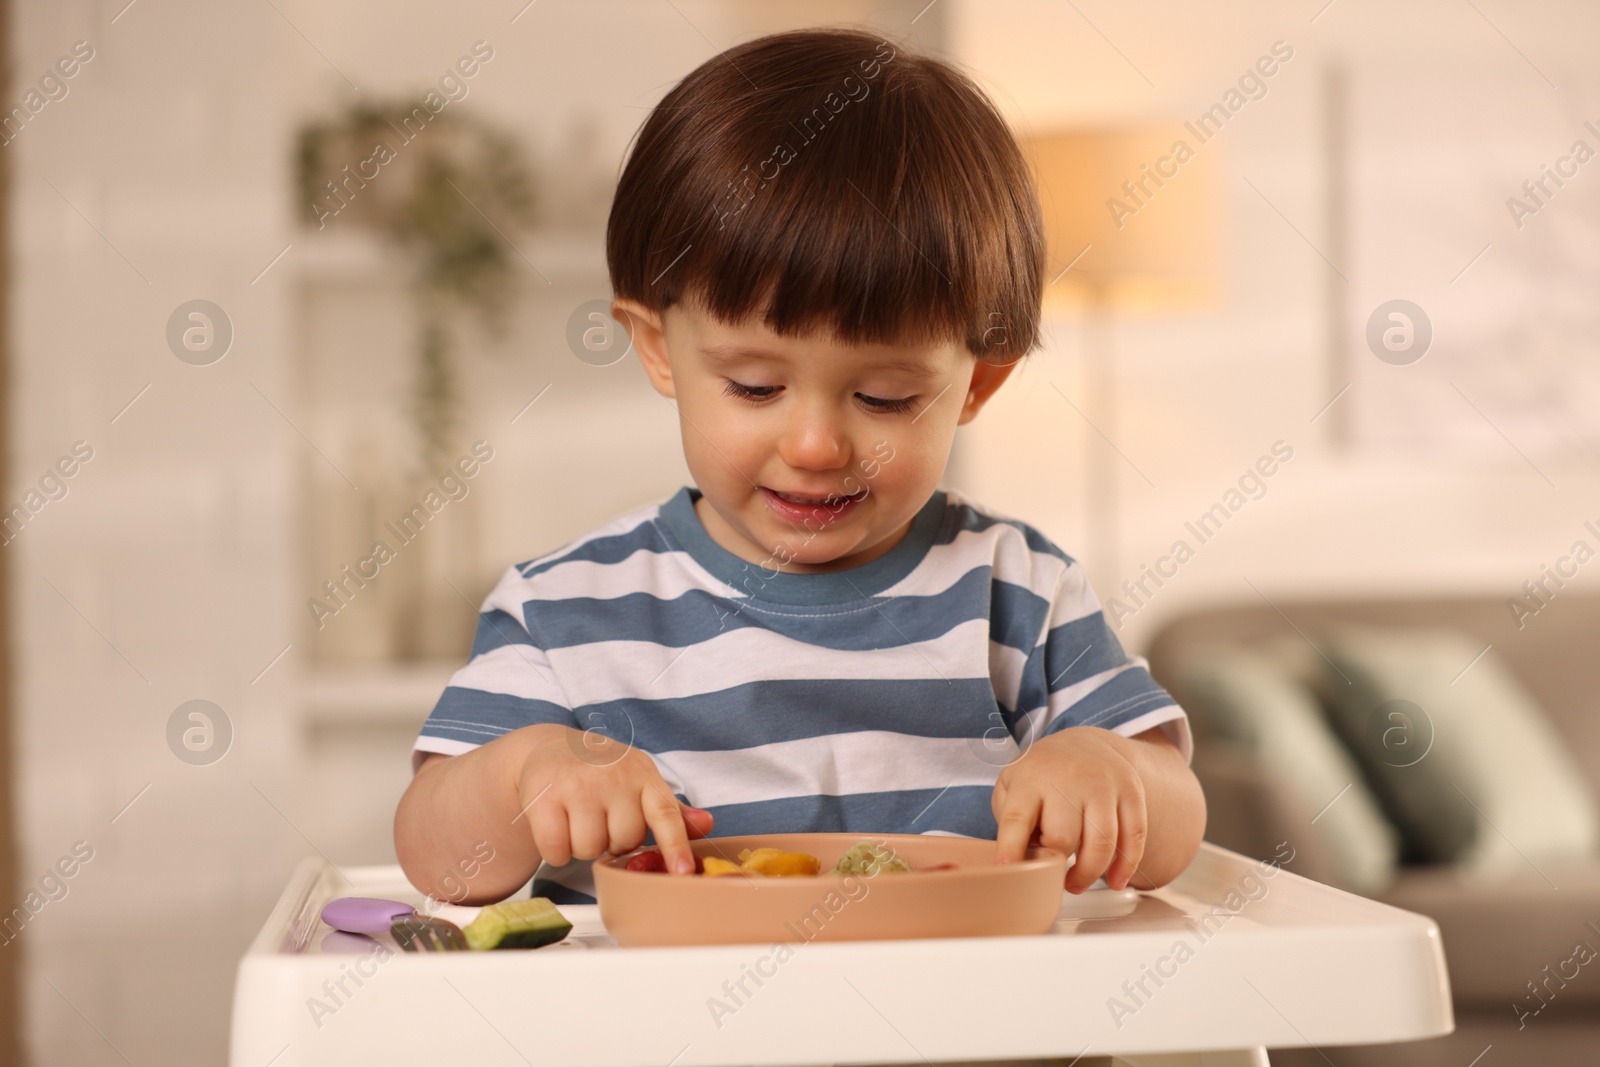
pixel 1235 954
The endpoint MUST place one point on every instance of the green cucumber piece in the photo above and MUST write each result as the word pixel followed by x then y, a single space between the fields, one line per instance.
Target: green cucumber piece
pixel 530 923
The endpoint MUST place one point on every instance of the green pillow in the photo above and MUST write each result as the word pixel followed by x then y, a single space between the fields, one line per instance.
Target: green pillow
pixel 1248 699
pixel 1463 759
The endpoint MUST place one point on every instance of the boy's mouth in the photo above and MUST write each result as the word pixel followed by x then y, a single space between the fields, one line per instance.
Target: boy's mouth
pixel 814 500
pixel 814 508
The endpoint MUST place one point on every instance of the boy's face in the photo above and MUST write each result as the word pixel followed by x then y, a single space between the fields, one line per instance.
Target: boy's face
pixel 810 455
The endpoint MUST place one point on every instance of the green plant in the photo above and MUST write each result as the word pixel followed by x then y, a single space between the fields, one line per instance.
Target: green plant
pixel 447 189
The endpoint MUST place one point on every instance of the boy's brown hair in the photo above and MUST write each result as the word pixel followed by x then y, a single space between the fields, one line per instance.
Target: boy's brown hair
pixel 840 183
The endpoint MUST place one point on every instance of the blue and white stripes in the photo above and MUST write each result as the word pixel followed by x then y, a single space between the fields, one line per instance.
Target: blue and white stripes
pixel 882 699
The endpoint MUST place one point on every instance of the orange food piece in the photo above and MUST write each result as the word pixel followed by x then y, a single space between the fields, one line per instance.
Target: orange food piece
pixel 763 863
pixel 775 863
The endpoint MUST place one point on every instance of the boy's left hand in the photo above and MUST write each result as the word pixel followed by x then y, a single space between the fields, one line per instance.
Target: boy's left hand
pixel 1080 789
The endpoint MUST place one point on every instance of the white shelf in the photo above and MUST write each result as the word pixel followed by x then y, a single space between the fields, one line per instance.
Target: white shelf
pixel 559 256
pixel 383 693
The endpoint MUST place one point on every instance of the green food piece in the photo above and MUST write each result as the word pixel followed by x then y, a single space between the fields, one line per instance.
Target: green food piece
pixel 517 924
pixel 867 858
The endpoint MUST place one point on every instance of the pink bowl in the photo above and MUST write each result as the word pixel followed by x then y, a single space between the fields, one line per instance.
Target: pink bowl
pixel 976 899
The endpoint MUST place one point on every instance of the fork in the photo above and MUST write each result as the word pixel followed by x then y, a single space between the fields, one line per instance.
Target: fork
pixel 416 933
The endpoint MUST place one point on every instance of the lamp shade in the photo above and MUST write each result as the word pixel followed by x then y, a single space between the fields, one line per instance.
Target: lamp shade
pixel 1145 202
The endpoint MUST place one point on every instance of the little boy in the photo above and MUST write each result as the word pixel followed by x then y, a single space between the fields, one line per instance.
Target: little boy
pixel 828 254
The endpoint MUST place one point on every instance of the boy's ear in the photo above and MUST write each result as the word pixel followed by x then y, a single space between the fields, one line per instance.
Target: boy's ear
pixel 649 340
pixel 986 378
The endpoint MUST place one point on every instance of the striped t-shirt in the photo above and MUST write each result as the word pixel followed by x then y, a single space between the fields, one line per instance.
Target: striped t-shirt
pixel 884 698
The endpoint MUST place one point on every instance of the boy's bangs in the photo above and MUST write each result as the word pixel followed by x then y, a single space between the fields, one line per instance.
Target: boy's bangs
pixel 877 240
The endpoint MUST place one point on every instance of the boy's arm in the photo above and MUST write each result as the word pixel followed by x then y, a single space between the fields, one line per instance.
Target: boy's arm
pixel 454 806
pixel 1175 807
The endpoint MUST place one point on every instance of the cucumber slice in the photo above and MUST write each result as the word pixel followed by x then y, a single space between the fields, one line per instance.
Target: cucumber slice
pixel 530 923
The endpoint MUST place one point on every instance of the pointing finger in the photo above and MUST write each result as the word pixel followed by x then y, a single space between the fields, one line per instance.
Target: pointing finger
pixel 665 817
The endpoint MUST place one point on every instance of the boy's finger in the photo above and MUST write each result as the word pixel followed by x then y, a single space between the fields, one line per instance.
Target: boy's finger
pixel 997 798
pixel 1132 832
pixel 697 821
pixel 625 828
pixel 550 839
pixel 665 816
pixel 1016 822
pixel 587 834
pixel 1096 846
pixel 1059 826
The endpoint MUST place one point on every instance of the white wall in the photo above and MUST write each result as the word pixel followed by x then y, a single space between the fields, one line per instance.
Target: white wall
pixel 157 579
pixel 1203 396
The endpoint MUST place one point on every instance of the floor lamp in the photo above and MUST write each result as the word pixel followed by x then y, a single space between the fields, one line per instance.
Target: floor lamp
pixel 1132 219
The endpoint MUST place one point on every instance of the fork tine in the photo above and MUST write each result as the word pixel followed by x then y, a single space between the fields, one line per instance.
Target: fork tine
pixel 451 938
pixel 404 931
pixel 416 933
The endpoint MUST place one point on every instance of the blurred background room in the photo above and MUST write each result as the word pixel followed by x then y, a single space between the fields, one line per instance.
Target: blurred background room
pixel 1341 347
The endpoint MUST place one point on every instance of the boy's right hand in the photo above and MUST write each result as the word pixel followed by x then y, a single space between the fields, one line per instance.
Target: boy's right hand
pixel 584 793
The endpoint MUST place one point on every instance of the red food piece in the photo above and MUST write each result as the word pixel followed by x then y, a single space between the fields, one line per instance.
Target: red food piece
pixel 653 862
pixel 940 867
pixel 649 860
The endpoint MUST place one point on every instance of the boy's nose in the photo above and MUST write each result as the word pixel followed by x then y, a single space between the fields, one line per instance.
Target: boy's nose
pixel 814 439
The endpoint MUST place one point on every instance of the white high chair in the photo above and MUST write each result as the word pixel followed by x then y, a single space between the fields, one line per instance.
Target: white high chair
pixel 1232 957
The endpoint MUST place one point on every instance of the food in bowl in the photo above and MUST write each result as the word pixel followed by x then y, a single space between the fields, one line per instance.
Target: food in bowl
pixel 766 863
pixel 761 862
pixel 862 858
pixel 652 861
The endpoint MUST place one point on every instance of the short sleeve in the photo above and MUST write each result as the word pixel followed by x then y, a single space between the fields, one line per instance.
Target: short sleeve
pixel 508 682
pixel 1079 675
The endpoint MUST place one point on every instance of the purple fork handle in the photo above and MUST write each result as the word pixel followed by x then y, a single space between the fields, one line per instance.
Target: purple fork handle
pixel 364 915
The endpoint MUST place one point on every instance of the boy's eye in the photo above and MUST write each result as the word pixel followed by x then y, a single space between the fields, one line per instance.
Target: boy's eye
pixel 877 403
pixel 748 392
pixel 763 392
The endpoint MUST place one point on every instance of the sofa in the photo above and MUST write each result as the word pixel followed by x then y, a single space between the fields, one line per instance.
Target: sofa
pixel 1516 939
